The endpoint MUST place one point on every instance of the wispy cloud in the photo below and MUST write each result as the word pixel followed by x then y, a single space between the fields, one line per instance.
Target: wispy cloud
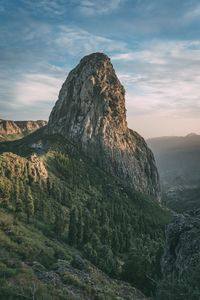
pixel 33 94
pixel 34 89
pixel 192 14
pixel 154 46
pixel 162 79
pixel 85 7
pixel 76 41
pixel 100 7
pixel 159 52
pixel 43 41
pixel 31 67
pixel 51 7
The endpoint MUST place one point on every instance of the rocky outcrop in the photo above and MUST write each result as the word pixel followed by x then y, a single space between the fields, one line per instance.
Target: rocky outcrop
pixel 91 113
pixel 17 166
pixel 13 129
pixel 182 245
pixel 38 168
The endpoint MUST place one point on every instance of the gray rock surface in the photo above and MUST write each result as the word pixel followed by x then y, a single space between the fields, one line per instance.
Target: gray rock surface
pixel 91 113
pixel 182 247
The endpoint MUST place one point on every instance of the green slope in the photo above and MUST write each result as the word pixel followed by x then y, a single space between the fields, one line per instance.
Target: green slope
pixel 34 265
pixel 81 206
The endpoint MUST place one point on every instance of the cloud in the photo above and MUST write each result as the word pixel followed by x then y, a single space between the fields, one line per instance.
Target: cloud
pixel 30 68
pixel 44 42
pixel 100 7
pixel 32 95
pixel 159 52
pixel 76 41
pixel 143 55
pixel 131 78
pixel 162 79
pixel 85 7
pixel 36 88
pixel 192 14
pixel 161 76
pixel 49 7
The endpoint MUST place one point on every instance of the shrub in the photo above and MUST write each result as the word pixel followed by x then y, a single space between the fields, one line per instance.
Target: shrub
pixel 71 279
pixel 6 272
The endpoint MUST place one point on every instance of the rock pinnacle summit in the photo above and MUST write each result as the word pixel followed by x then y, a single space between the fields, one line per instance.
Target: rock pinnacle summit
pixel 90 112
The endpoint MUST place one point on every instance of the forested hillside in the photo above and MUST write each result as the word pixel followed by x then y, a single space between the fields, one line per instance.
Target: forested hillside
pixel 58 200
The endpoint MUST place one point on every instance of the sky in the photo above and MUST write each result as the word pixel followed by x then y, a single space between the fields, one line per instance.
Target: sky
pixel 154 46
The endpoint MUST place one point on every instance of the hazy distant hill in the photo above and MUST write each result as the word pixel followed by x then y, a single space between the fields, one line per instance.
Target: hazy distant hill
pixel 178 161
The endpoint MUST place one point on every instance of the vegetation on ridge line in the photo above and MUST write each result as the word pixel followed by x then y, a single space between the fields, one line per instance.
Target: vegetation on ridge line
pixel 112 226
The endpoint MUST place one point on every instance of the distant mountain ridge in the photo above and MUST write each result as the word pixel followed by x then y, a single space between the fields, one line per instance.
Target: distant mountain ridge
pixel 10 130
pixel 177 155
pixel 178 162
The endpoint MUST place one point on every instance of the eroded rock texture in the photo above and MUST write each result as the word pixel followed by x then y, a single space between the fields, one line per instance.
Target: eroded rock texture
pixel 182 247
pixel 11 129
pixel 91 113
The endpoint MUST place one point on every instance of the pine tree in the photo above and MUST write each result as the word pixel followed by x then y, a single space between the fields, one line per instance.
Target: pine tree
pixel 60 221
pixel 4 194
pixel 80 227
pixel 31 177
pixel 115 242
pixel 105 235
pixel 22 189
pixel 104 217
pixel 69 199
pixel 121 241
pixel 72 234
pixel 86 228
pixel 18 199
pixel 128 238
pixel 5 200
pixel 95 242
pixel 58 195
pixel 30 209
pixel 48 186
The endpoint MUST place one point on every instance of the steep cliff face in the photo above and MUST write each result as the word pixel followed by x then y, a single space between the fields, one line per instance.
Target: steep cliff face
pixel 180 262
pixel 182 246
pixel 9 129
pixel 91 113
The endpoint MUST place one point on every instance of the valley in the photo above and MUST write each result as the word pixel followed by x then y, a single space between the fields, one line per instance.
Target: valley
pixel 178 161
